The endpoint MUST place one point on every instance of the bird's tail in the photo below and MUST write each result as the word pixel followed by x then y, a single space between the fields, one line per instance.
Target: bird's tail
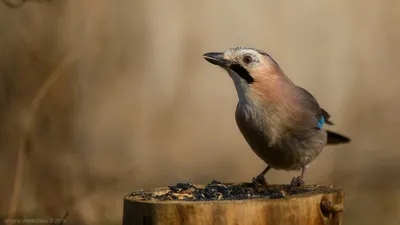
pixel 335 138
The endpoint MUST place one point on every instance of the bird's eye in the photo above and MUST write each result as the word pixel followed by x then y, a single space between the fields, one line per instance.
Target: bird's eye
pixel 247 59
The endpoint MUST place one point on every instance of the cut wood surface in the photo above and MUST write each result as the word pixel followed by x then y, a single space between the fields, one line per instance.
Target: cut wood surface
pixel 315 205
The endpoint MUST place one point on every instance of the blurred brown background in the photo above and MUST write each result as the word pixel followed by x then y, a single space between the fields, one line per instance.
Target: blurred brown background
pixel 136 106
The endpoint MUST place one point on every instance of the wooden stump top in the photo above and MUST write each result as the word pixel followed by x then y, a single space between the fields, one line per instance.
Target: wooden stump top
pixel 234 204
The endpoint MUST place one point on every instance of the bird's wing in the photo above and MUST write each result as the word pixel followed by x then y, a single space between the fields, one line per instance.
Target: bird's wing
pixel 322 116
pixel 320 113
pixel 326 116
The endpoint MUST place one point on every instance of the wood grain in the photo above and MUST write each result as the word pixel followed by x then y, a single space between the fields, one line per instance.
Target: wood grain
pixel 293 209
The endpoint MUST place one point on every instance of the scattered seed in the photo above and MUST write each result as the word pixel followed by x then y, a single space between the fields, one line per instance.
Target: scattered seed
pixel 217 190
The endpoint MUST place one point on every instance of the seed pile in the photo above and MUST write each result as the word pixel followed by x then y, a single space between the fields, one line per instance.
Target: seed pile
pixel 219 191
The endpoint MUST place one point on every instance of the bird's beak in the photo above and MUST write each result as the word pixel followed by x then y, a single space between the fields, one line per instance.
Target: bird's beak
pixel 216 58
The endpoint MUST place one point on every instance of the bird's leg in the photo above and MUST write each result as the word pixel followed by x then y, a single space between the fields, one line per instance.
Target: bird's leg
pixel 260 179
pixel 299 181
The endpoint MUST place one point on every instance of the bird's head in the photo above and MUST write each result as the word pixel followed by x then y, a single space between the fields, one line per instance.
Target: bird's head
pixel 251 70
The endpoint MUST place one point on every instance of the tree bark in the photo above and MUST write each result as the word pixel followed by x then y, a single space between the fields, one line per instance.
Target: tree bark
pixel 321 206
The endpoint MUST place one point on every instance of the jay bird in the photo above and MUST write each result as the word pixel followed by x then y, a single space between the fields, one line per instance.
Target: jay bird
pixel 281 122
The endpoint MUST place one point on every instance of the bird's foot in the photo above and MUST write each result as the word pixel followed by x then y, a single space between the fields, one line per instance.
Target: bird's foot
pixel 297 182
pixel 259 181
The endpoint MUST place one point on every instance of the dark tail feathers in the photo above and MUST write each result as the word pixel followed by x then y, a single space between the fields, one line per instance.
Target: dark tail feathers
pixel 334 138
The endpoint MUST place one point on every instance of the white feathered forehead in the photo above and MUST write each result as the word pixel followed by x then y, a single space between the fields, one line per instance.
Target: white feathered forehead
pixel 235 53
pixel 243 50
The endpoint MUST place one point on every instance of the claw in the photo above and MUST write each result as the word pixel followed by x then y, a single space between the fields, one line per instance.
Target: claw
pixel 259 180
pixel 297 182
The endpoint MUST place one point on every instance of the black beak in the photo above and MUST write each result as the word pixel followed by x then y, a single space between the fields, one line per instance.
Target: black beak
pixel 216 58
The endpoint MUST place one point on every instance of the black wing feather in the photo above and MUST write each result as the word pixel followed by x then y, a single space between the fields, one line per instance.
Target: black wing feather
pixel 326 116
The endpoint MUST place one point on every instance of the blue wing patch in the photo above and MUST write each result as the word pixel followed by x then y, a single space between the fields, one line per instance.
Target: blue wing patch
pixel 321 122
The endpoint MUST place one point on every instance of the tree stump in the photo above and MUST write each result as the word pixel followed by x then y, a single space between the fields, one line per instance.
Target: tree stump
pixel 240 204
